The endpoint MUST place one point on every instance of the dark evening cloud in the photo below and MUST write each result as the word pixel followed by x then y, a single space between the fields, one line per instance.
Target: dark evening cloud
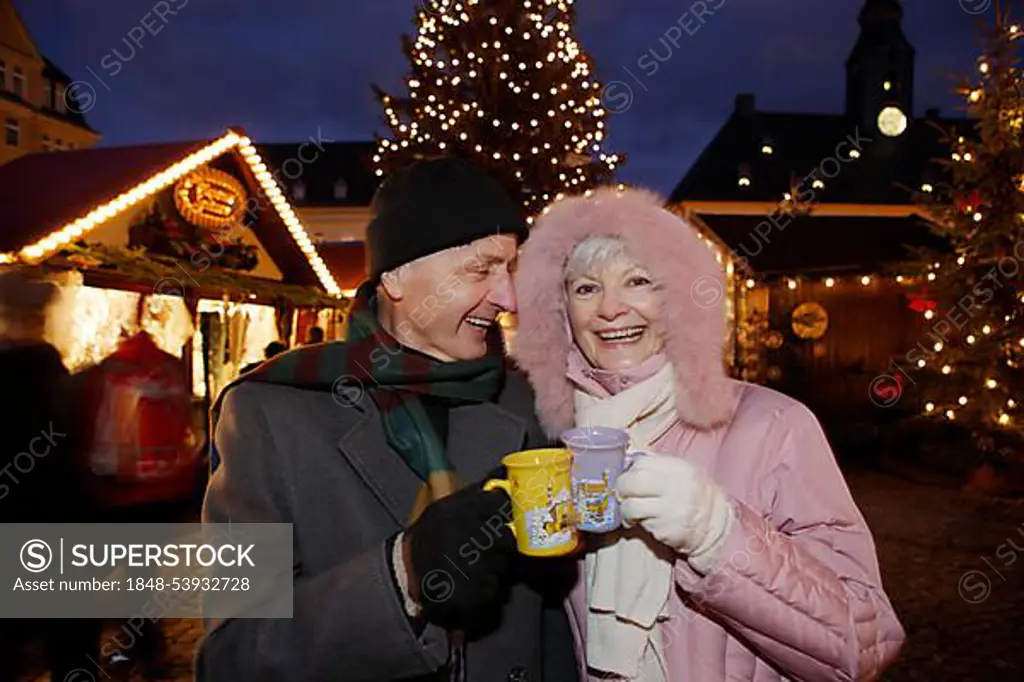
pixel 286 69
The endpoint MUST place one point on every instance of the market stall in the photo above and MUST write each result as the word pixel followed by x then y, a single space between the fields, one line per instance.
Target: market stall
pixel 192 242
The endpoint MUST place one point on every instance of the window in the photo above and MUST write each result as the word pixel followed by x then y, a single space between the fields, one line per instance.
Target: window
pixel 58 99
pixel 341 189
pixel 13 132
pixel 3 74
pixel 18 82
pixel 47 94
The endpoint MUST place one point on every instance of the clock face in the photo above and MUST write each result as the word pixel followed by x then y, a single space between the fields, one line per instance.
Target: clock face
pixel 892 121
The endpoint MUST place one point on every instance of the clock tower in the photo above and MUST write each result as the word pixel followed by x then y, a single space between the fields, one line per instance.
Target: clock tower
pixel 880 71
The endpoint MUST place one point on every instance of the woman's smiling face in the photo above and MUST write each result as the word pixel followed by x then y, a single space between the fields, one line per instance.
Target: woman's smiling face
pixel 613 309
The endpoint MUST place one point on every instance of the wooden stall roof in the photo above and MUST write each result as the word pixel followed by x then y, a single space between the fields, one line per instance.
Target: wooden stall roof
pixel 40 193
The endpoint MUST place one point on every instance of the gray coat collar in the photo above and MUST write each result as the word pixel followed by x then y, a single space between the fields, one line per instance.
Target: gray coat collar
pixel 479 436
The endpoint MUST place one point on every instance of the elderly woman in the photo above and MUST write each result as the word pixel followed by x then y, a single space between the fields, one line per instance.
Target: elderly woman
pixel 744 556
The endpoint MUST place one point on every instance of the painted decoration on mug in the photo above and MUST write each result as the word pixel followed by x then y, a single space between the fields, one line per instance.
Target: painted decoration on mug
pixel 552 525
pixel 595 503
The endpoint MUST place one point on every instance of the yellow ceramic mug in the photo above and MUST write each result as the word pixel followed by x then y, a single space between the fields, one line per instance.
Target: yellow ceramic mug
pixel 540 485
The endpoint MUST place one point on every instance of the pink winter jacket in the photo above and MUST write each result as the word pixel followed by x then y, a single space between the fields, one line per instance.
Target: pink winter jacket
pixel 796 591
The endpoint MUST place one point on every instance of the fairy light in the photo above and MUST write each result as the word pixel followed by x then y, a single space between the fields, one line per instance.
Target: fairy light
pixel 831 281
pixel 584 112
pixel 166 177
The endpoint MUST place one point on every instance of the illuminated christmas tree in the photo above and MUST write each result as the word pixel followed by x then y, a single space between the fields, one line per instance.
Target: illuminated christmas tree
pixel 971 364
pixel 505 84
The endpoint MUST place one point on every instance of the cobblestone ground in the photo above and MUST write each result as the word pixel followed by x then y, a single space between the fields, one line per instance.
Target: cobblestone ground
pixel 949 567
pixel 953 576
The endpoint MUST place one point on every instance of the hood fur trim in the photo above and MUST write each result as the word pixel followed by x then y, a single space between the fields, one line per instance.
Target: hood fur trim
pixel 692 288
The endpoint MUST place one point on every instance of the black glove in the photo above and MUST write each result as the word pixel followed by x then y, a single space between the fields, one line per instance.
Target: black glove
pixel 461 555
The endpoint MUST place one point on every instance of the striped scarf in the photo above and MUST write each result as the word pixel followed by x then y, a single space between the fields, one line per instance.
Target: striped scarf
pixel 371 361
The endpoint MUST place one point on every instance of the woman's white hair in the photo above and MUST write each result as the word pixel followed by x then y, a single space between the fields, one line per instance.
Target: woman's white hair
pixel 593 254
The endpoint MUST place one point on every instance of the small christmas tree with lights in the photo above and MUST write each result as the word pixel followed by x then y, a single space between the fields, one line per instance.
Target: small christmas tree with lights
pixel 971 373
pixel 502 83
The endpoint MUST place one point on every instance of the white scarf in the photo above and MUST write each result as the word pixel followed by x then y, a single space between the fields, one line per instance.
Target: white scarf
pixel 629 580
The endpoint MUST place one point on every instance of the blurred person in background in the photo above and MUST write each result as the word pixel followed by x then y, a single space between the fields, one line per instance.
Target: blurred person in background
pixel 273 348
pixel 141 463
pixel 315 335
pixel 40 480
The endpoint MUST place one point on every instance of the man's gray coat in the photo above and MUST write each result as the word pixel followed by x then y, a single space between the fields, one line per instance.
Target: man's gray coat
pixel 322 463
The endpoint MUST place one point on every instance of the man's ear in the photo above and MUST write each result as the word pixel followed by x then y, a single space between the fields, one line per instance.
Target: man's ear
pixel 392 283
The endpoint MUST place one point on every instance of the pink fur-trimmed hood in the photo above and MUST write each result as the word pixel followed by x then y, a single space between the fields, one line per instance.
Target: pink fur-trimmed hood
pixel 692 289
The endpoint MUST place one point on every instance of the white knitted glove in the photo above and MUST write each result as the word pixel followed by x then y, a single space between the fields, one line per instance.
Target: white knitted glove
pixel 678 505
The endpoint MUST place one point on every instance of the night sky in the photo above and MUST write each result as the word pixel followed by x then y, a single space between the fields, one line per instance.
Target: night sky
pixel 286 69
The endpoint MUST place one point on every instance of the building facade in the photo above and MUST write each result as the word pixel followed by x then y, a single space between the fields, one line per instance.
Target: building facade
pixel 38 107
pixel 815 213
pixel 331 185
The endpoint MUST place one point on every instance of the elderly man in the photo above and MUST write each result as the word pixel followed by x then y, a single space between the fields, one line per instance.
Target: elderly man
pixel 375 449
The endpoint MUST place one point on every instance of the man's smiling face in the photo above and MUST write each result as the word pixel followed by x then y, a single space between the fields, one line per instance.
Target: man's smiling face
pixel 444 304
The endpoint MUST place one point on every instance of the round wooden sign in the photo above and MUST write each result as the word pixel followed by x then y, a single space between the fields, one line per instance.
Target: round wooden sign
pixel 810 321
pixel 210 198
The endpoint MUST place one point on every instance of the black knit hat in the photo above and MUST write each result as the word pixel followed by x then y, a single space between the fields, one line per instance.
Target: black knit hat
pixel 433 205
